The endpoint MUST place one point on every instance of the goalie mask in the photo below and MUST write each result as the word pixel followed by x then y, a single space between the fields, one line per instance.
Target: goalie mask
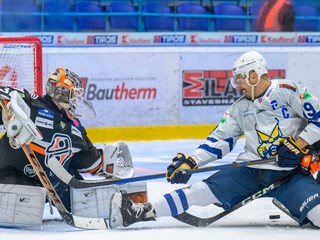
pixel 65 89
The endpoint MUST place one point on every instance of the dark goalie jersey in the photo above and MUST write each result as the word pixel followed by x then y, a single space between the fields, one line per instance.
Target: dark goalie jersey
pixel 63 138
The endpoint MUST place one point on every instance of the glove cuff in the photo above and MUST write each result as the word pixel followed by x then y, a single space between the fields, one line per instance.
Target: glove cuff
pixel 192 162
pixel 304 151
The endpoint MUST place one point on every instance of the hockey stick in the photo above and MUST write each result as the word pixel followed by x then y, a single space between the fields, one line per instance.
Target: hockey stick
pixel 69 218
pixel 284 209
pixel 203 222
pixel 67 178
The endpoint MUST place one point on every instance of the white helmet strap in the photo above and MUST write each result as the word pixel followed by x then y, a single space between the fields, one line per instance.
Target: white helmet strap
pixel 253 86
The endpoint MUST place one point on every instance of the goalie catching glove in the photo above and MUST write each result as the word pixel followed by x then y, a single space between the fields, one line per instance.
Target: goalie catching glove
pixel 176 171
pixel 116 160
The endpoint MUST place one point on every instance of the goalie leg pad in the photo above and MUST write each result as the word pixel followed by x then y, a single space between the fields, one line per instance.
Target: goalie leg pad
pixel 21 205
pixel 95 202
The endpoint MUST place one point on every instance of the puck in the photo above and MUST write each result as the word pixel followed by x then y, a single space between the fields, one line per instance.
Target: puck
pixel 274 216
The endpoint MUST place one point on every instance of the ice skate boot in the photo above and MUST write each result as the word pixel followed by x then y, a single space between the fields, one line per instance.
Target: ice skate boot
pixel 124 212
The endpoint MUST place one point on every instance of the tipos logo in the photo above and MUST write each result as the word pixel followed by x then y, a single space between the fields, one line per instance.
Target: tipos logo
pixel 212 87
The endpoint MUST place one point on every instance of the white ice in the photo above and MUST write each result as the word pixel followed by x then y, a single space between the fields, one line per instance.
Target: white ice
pixel 249 222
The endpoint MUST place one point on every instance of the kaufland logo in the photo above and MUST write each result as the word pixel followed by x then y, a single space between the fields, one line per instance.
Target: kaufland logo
pixel 126 39
pixel 102 39
pixel 281 39
pixel 195 39
pixel 61 40
pixel 181 38
pixel 309 39
pixel 241 38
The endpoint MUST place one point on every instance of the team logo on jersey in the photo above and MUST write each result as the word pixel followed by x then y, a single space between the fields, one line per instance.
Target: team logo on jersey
pixel 29 171
pixel 59 147
pixel 63 126
pixel 247 111
pixel 269 143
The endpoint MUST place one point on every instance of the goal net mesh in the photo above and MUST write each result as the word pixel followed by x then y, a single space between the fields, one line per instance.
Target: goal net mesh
pixel 19 66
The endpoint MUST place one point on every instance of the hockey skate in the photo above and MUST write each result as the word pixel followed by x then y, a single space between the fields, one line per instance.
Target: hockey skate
pixel 124 212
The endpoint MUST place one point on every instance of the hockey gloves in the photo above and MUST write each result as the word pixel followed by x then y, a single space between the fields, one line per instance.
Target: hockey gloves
pixel 116 160
pixel 309 165
pixel 176 171
pixel 289 153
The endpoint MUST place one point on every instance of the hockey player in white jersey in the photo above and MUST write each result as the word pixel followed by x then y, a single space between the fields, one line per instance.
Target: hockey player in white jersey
pixel 279 119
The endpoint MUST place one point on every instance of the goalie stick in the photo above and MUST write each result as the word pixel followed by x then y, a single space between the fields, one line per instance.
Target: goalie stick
pixel 203 222
pixel 69 218
pixel 67 178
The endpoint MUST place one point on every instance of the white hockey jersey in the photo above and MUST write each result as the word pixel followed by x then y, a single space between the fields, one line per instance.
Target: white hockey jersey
pixel 285 109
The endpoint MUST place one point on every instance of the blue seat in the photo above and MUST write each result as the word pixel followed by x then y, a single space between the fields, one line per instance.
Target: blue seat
pixel 305 25
pixel 57 21
pixel 231 24
pixel 90 23
pixel 254 13
pixel 158 23
pixel 123 22
pixel 192 23
pixel 26 21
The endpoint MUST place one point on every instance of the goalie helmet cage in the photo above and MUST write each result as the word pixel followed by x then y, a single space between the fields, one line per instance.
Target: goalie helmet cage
pixel 21 63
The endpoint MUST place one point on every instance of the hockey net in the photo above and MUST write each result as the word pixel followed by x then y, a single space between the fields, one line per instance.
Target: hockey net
pixel 21 63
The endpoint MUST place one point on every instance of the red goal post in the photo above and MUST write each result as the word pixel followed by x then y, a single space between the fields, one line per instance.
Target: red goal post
pixel 21 63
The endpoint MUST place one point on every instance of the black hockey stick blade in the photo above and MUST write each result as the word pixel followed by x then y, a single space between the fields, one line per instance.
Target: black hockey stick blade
pixel 195 221
pixel 65 176
pixel 200 222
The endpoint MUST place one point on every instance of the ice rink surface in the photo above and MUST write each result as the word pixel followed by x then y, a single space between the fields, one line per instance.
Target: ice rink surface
pixel 249 222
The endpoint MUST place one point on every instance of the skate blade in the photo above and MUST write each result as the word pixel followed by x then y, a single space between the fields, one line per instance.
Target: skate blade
pixel 115 217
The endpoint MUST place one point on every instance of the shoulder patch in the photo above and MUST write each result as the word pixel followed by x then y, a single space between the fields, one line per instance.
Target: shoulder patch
pixel 45 113
pixel 305 95
pixel 288 86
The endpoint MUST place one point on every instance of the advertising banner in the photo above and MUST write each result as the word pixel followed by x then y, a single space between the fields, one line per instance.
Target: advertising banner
pixel 160 39
pixel 126 89
pixel 206 89
pixel 171 86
